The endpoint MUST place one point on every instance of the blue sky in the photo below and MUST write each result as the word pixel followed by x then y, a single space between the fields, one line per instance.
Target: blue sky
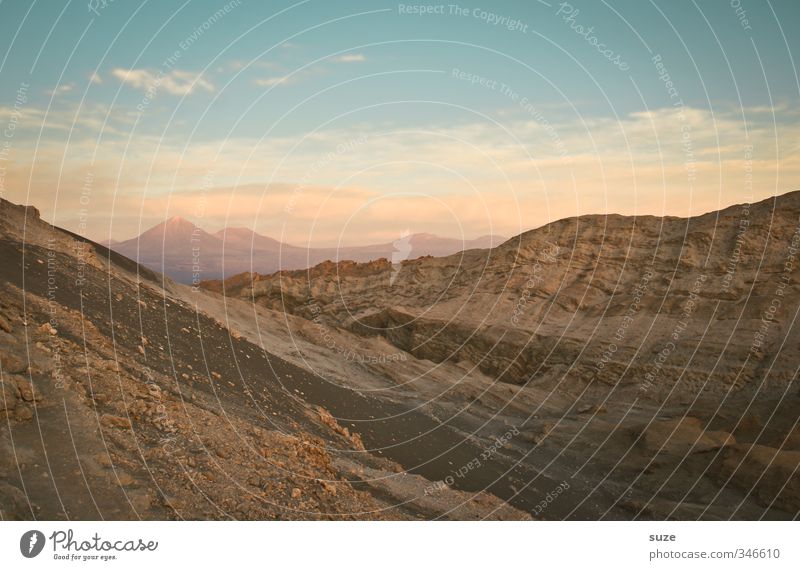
pixel 461 121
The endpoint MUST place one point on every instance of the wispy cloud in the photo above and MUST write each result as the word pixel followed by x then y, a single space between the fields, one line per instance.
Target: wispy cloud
pixel 474 178
pixel 175 82
pixel 349 58
pixel 274 81
pixel 290 78
pixel 61 89
pixel 238 64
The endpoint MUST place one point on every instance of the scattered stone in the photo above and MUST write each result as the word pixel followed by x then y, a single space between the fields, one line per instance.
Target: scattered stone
pixel 296 493
pixel 10 363
pixel 27 390
pixel 103 459
pixel 140 501
pixel 5 325
pixel 49 329
pixel 125 479
pixel 111 421
pixel 537 436
pixel 23 413
pixel 327 419
pixel 8 396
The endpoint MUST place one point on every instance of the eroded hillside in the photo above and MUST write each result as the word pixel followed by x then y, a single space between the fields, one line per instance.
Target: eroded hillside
pixel 120 400
pixel 652 360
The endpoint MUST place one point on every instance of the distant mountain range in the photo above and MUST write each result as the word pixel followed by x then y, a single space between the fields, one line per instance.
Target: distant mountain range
pixel 187 253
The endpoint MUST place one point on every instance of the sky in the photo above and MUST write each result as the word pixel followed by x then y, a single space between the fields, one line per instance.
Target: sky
pixel 323 123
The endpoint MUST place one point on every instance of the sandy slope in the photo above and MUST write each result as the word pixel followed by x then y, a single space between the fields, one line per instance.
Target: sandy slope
pixel 120 400
pixel 650 361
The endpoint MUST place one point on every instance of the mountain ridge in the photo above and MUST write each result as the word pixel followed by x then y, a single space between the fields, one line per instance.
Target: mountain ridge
pixel 183 251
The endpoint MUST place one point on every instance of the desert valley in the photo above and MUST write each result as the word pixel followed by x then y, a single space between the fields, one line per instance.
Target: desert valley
pixel 596 368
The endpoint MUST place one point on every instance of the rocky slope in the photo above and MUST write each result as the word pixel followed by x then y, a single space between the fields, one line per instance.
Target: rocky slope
pixel 122 399
pixel 650 361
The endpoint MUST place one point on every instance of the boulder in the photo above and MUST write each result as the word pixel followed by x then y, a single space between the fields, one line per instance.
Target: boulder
pixel 681 436
pixel 768 474
pixel 27 390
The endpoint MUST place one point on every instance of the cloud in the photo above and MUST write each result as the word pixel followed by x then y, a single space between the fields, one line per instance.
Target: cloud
pixel 238 64
pixel 61 89
pixel 95 78
pixel 369 184
pixel 289 78
pixel 348 58
pixel 174 82
pixel 274 81
pixel 298 76
pixel 68 121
